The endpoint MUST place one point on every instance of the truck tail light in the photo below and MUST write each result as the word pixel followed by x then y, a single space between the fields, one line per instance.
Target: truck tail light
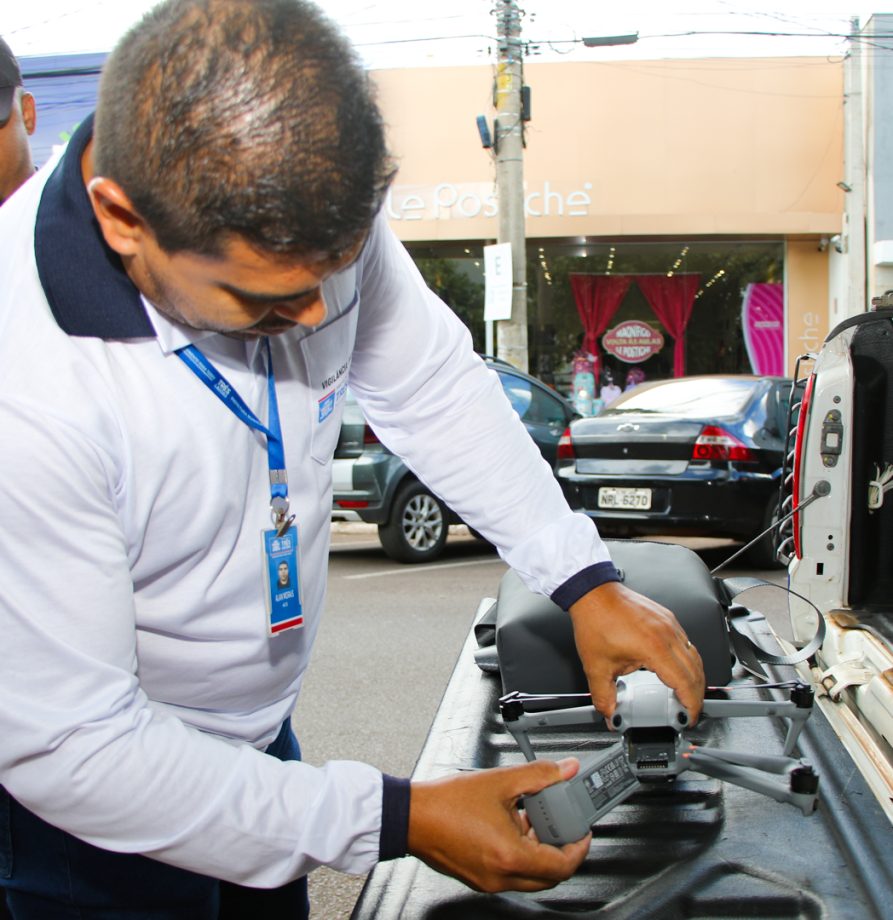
pixel 715 443
pixel 798 464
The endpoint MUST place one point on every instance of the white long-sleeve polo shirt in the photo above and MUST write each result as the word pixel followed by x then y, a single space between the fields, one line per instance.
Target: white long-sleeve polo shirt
pixel 140 685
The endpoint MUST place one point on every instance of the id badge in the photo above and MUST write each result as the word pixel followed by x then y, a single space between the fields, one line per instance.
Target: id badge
pixel 283 581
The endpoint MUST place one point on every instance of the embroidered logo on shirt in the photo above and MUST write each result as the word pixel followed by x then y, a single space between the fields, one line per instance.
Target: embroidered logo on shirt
pixel 326 406
pixel 330 400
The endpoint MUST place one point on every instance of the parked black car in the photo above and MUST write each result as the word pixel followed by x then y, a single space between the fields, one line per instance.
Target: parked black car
pixel 692 456
pixel 374 485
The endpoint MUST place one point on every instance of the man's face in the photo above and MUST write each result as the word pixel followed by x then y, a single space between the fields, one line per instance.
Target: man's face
pixel 242 292
pixel 283 573
pixel 16 164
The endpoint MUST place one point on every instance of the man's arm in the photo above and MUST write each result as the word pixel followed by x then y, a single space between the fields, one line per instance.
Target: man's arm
pixel 440 409
pixel 435 404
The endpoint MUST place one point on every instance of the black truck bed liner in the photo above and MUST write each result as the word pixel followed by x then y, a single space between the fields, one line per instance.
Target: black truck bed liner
pixel 698 849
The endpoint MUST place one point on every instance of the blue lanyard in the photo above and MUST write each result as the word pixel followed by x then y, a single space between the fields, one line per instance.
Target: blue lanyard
pixel 193 358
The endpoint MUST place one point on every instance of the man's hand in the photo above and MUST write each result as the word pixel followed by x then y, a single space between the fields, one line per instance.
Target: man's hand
pixel 618 631
pixel 468 826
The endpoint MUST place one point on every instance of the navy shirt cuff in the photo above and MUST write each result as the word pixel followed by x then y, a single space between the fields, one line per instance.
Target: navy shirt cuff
pixel 394 840
pixel 583 582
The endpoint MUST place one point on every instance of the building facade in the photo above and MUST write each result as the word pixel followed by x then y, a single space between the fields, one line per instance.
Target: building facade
pixel 704 202
pixel 719 177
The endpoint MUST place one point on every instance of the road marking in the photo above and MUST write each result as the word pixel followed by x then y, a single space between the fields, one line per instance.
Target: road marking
pixel 414 569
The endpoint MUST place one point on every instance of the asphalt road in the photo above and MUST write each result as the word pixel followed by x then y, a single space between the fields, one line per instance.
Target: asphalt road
pixel 387 646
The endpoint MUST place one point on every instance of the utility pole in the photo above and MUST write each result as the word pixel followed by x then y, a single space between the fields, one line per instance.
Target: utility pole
pixel 859 286
pixel 511 335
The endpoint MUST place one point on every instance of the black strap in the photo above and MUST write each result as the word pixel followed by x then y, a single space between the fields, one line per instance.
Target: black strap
pixel 748 653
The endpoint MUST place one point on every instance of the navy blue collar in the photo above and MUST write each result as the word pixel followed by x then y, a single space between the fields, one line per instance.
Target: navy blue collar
pixel 84 281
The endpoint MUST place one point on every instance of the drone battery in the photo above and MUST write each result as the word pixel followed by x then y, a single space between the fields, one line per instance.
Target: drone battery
pixel 564 812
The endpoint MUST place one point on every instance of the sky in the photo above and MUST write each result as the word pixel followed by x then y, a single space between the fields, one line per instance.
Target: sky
pixel 398 33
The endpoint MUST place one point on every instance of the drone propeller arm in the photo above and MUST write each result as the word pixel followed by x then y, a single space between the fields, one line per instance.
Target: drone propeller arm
pixel 768 763
pixel 751 779
pixel 578 717
pixel 519 723
pixel 795 714
pixel 727 708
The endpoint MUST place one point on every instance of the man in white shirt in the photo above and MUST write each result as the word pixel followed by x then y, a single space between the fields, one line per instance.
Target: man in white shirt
pixel 188 291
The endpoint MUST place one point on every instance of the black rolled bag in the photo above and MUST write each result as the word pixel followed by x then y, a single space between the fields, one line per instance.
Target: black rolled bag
pixel 534 640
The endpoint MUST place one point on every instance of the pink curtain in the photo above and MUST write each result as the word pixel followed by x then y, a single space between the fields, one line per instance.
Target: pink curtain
pixel 598 298
pixel 672 299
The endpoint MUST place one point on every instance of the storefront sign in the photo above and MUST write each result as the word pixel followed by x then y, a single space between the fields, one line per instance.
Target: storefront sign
pixel 633 341
pixel 463 201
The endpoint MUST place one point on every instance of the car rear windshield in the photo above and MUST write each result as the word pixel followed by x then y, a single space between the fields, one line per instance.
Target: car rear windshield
pixel 710 397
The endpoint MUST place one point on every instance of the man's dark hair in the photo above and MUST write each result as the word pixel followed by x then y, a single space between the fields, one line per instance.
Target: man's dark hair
pixel 248 118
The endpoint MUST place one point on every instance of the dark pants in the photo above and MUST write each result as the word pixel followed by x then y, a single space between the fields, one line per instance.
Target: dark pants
pixel 50 875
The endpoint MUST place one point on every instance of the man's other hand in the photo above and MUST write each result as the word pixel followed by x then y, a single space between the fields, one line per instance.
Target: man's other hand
pixel 468 826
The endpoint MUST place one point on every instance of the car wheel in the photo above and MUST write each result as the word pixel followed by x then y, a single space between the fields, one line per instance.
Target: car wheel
pixel 762 554
pixel 417 530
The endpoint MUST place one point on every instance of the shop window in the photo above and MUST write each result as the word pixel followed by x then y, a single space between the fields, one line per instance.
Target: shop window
pixel 714 340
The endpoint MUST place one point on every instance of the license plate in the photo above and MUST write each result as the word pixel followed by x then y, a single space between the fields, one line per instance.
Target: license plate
pixel 630 499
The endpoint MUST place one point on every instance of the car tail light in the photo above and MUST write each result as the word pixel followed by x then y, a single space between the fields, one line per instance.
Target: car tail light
pixel 798 462
pixel 715 443
pixel 566 448
pixel 369 436
pixel 351 504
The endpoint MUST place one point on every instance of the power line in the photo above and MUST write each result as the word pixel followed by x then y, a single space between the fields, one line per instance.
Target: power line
pixel 860 37
pixel 430 38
